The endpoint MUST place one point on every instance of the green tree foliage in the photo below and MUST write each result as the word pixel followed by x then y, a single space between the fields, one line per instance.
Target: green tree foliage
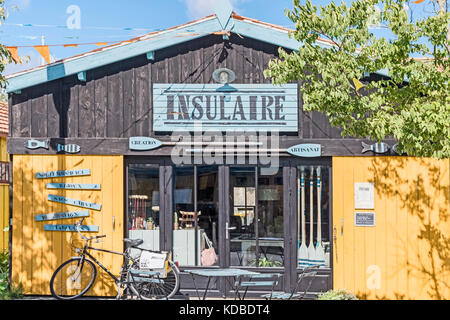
pixel 412 105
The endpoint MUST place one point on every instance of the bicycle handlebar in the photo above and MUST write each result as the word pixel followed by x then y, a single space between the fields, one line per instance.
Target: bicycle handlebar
pixel 78 227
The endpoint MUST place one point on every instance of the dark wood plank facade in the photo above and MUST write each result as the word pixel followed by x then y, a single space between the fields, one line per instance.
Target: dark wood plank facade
pixel 116 100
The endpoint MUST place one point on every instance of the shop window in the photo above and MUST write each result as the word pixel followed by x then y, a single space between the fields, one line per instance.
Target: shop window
pixel 195 215
pixel 143 204
pixel 256 218
pixel 313 245
pixel 4 172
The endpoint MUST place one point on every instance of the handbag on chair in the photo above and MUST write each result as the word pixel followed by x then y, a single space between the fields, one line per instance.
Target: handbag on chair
pixel 208 256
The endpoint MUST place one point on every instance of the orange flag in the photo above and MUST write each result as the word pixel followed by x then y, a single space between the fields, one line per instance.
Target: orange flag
pixel 418 1
pixel 101 43
pixel 14 54
pixel 44 52
pixel 71 45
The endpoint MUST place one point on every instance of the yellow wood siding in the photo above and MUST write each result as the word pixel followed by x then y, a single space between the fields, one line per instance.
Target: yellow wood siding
pixel 37 253
pixel 409 246
pixel 4 201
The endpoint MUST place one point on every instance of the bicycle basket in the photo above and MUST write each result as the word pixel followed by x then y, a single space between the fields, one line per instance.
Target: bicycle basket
pixel 154 261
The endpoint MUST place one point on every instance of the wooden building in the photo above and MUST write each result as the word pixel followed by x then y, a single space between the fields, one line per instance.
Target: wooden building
pixel 118 111
pixel 4 178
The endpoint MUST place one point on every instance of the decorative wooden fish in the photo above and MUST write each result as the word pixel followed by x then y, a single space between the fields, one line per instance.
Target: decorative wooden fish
pixel 36 144
pixel 377 147
pixel 69 148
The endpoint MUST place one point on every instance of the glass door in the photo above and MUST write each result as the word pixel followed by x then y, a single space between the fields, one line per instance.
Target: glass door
pixel 255 228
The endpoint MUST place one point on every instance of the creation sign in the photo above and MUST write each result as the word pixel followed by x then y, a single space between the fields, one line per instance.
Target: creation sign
pixel 261 107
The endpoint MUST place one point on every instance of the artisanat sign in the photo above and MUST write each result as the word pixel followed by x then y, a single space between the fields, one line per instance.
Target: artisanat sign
pixel 305 150
pixel 261 107
pixel 144 143
pixel 73 202
pixel 63 173
pixel 364 219
pixel 69 227
pixel 62 215
pixel 74 186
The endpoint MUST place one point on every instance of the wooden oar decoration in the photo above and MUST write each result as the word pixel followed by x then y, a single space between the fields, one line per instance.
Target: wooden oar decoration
pixel 320 252
pixel 303 260
pixel 311 250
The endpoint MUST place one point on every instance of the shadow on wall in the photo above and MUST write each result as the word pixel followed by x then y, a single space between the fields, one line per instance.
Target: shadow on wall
pixel 37 253
pixel 421 190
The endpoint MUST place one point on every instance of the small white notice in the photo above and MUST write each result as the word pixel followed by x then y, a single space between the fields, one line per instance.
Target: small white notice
pixel 152 260
pixel 364 195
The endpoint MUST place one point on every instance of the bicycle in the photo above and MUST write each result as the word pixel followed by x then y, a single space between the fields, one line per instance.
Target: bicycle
pixel 74 277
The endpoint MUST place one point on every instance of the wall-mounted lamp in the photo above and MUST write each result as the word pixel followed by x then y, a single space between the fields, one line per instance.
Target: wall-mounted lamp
pixel 224 76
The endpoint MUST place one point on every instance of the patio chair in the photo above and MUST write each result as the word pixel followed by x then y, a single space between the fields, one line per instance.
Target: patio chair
pixel 307 273
pixel 259 280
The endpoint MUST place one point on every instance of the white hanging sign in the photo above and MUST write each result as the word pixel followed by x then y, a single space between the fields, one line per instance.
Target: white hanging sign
pixel 364 195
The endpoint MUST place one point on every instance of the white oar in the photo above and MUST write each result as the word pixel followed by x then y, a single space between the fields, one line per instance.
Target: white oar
pixel 303 260
pixel 311 249
pixel 320 253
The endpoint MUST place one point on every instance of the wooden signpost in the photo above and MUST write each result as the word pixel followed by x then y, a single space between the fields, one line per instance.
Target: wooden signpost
pixel 63 173
pixel 69 227
pixel 73 186
pixel 62 215
pixel 74 202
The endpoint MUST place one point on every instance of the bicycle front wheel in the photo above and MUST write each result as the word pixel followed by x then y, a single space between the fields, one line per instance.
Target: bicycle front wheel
pixel 73 279
pixel 159 288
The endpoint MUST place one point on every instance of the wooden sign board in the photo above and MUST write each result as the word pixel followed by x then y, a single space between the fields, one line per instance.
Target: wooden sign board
pixel 144 143
pixel 365 219
pixel 74 202
pixel 305 150
pixel 73 186
pixel 69 227
pixel 260 107
pixel 62 215
pixel 63 173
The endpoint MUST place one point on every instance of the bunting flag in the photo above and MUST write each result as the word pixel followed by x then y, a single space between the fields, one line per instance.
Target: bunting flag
pixel 70 45
pixel 358 84
pixel 14 54
pixel 44 52
pixel 101 43
pixel 418 1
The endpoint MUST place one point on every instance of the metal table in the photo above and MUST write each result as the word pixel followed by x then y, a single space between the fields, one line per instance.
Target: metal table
pixel 217 273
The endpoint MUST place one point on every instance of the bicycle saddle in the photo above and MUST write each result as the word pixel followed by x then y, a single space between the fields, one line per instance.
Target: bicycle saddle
pixel 133 242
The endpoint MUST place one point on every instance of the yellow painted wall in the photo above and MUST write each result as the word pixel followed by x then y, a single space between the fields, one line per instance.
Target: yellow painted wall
pixel 407 254
pixel 4 200
pixel 37 253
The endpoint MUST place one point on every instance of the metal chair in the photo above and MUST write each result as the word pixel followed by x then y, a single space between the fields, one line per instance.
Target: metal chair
pixel 259 280
pixel 307 273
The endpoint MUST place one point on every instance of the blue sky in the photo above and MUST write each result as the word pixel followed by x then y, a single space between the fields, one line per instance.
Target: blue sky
pixel 139 14
pixel 103 21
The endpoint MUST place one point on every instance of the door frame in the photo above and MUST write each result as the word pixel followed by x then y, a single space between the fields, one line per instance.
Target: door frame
pixel 288 165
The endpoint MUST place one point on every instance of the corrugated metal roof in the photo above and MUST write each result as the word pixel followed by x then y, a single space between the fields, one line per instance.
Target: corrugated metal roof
pixel 3 119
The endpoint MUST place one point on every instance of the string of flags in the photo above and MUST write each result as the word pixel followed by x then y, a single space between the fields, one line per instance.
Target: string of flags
pixel 44 50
